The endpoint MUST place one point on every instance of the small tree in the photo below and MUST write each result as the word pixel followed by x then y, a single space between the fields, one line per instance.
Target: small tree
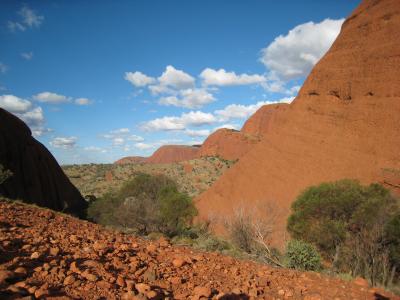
pixel 348 223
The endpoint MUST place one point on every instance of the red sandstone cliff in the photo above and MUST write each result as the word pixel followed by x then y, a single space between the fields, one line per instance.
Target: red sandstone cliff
pixel 173 153
pixel 345 123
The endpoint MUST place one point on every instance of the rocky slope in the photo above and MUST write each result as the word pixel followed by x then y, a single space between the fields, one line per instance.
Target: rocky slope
pixel 53 256
pixel 343 124
pixel 37 177
pixel 131 160
pixel 173 153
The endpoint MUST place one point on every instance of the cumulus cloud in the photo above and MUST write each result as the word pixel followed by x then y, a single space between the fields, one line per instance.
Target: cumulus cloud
pixel 139 79
pixel 52 98
pixel 197 133
pixel 144 146
pixel 14 104
pixel 177 79
pixel 95 149
pixel 228 126
pixel 238 111
pixel 27 55
pixel 189 98
pixel 192 118
pixel 223 78
pixel 64 142
pixel 83 101
pixel 293 55
pixel 28 18
pixel 120 136
pixel 22 108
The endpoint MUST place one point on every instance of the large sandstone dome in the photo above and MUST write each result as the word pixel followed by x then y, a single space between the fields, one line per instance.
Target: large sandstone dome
pixel 173 153
pixel 130 160
pixel 37 177
pixel 345 123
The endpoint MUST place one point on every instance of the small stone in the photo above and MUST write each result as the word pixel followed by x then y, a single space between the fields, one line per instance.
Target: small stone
pixel 89 276
pixel 54 251
pixel 70 279
pixel 151 294
pixel 202 291
pixel 35 255
pixel 175 280
pixel 41 292
pixel 120 281
pixel 21 271
pixel 151 248
pixel 142 288
pixel 4 275
pixel 178 262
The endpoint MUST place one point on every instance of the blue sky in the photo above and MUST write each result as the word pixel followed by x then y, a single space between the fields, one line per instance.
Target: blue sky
pixel 99 80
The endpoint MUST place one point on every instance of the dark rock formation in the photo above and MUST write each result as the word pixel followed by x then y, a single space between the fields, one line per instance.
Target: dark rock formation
pixel 37 178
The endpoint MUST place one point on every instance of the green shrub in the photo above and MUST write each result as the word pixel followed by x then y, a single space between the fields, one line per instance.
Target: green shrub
pixel 302 255
pixel 146 204
pixel 355 227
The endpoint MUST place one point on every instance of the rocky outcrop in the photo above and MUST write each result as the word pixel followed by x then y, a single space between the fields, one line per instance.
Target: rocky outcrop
pixel 343 124
pixel 173 153
pixel 259 122
pixel 131 160
pixel 232 144
pixel 228 144
pixel 37 177
pixel 44 255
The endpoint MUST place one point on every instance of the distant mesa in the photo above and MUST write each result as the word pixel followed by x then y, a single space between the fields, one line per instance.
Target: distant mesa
pixel 344 123
pixel 173 153
pixel 131 160
pixel 37 177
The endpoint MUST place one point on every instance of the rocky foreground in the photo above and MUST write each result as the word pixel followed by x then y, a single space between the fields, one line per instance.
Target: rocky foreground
pixel 49 255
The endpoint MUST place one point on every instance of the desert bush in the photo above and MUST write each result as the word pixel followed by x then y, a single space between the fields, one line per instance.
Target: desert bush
pixel 147 204
pixel 353 226
pixel 302 255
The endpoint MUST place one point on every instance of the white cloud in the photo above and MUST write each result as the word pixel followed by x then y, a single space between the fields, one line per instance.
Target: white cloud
pixel 53 98
pixel 120 136
pixel 223 78
pixel 118 141
pixel 197 133
pixel 189 98
pixel 28 19
pixel 238 111
pixel 176 78
pixel 83 101
pixel 95 149
pixel 64 142
pixel 192 118
pixel 14 104
pixel 27 55
pixel 139 79
pixel 293 55
pixel 23 109
pixel 144 146
pixel 228 126
pixel 3 68
pixel 135 138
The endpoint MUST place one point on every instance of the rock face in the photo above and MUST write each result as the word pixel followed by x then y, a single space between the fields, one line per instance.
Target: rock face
pixel 228 144
pixel 37 177
pixel 131 160
pixel 259 123
pixel 173 153
pixel 345 123
pixel 232 144
pixel 45 255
